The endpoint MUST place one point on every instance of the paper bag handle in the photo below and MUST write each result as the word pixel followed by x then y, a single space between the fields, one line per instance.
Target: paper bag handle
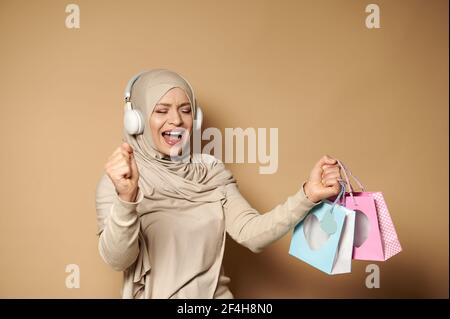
pixel 340 196
pixel 347 172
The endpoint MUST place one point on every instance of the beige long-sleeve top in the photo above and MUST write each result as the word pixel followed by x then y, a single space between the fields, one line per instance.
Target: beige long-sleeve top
pixel 182 251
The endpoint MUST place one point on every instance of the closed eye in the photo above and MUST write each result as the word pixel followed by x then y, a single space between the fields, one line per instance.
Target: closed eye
pixel 164 111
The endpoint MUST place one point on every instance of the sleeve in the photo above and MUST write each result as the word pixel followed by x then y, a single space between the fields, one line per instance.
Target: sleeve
pixel 254 230
pixel 118 226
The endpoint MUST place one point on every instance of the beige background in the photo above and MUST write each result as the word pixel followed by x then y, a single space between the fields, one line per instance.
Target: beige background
pixel 376 99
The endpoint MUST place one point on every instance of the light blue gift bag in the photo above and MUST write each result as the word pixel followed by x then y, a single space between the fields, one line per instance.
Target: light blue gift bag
pixel 324 239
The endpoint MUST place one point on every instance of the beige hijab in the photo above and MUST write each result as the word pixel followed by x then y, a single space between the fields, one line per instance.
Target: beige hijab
pixel 176 185
pixel 194 179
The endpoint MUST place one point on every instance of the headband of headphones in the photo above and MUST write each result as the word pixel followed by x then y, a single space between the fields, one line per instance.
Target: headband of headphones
pixel 129 87
pixel 130 84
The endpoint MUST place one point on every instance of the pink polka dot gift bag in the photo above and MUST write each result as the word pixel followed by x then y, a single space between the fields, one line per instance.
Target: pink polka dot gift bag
pixel 375 237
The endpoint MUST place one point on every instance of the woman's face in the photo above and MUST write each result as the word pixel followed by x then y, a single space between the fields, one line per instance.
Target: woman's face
pixel 171 122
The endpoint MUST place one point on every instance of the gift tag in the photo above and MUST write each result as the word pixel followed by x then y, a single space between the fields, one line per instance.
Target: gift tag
pixel 328 223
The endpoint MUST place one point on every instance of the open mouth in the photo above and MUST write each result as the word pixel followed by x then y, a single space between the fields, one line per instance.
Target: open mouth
pixel 173 137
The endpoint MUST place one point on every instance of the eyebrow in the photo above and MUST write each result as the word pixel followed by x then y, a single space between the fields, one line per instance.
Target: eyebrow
pixel 168 104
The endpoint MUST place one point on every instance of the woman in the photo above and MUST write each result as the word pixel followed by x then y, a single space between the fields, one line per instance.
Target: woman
pixel 163 221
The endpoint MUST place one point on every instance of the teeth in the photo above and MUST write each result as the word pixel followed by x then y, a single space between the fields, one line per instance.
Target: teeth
pixel 174 134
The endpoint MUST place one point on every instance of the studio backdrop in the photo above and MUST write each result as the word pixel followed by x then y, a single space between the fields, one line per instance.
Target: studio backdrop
pixel 371 91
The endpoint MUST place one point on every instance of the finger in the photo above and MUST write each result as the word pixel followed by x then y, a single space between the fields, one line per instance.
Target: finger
pixel 324 161
pixel 326 181
pixel 117 163
pixel 330 182
pixel 118 167
pixel 127 148
pixel 329 191
pixel 122 155
pixel 113 161
pixel 330 175
pixel 333 190
pixel 316 172
pixel 126 155
pixel 116 151
pixel 330 171
pixel 133 165
pixel 328 166
pixel 123 171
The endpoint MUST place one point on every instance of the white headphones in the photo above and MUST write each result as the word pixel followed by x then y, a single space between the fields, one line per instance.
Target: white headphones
pixel 133 120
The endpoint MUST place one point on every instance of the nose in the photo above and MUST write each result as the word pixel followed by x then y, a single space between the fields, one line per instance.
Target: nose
pixel 175 118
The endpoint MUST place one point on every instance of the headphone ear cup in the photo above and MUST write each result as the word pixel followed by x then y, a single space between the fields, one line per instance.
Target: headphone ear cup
pixel 133 122
pixel 198 118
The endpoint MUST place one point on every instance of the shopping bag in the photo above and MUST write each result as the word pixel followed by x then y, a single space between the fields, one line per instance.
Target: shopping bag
pixel 375 237
pixel 330 252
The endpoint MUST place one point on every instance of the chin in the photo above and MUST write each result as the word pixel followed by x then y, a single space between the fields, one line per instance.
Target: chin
pixel 167 151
